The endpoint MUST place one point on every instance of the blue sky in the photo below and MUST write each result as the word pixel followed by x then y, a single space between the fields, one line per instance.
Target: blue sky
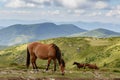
pixel 107 11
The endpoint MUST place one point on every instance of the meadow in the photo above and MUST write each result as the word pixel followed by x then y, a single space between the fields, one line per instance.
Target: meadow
pixel 104 52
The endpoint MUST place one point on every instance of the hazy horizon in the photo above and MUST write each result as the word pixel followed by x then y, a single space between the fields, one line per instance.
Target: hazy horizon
pixel 81 24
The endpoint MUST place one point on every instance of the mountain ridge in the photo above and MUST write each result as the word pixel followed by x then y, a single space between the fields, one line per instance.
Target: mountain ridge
pixel 99 32
pixel 21 33
pixel 95 25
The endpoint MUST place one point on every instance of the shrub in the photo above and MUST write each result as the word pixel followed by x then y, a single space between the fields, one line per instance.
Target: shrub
pixel 116 70
pixel 13 64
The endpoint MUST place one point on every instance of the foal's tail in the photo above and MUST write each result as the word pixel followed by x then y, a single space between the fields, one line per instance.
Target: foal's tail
pixel 28 58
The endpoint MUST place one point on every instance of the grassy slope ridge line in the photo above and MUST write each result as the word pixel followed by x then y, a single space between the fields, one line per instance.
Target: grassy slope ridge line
pixel 101 51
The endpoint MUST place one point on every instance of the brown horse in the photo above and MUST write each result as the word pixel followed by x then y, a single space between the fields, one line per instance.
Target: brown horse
pixel 91 66
pixel 79 65
pixel 46 52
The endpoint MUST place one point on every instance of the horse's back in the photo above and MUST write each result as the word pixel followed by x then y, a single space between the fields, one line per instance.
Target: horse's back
pixel 42 51
pixel 45 51
pixel 32 46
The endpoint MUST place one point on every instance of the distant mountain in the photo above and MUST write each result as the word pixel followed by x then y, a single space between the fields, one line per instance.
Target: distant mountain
pixel 1 27
pixel 19 33
pixel 100 33
pixel 95 25
pixel 3 47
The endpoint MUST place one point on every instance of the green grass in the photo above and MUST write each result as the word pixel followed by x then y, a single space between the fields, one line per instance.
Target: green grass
pixel 101 51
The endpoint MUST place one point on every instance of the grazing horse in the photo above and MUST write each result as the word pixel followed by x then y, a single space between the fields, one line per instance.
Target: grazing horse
pixel 46 52
pixel 79 65
pixel 91 66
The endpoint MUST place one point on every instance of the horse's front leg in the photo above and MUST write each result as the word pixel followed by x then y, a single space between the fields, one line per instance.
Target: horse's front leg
pixel 54 64
pixel 49 60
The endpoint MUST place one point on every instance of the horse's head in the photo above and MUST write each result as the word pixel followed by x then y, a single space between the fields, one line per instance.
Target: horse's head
pixel 62 66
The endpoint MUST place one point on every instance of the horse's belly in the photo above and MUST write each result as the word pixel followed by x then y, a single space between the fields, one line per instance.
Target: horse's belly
pixel 42 57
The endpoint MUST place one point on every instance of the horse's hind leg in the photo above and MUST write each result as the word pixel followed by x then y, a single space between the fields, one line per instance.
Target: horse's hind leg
pixel 36 65
pixel 49 60
pixel 33 61
pixel 54 64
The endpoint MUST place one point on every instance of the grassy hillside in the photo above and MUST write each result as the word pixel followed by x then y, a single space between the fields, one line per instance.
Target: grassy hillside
pixel 104 52
pixel 99 33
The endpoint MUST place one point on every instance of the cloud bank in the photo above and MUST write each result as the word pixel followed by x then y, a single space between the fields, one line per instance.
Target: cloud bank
pixel 101 10
pixel 70 4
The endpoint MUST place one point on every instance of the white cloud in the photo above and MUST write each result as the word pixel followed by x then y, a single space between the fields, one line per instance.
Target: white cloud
pixel 19 4
pixel 52 12
pixel 101 5
pixel 40 1
pixel 87 13
pixel 115 11
pixel 11 12
pixel 28 3
pixel 56 12
pixel 82 4
pixel 94 14
pixel 64 8
pixel 79 11
pixel 70 4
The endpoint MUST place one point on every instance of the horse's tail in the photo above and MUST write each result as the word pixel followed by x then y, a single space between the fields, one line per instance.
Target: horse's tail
pixel 28 58
pixel 58 53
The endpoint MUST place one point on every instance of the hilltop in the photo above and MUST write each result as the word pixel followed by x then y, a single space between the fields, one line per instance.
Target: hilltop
pixel 98 33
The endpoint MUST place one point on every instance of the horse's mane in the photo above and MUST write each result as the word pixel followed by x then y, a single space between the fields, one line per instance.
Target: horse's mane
pixel 63 62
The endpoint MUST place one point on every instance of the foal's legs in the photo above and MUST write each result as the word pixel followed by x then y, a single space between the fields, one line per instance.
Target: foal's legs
pixel 49 60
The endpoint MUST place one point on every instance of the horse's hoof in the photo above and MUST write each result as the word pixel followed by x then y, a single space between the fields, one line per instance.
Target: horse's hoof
pixel 46 71
pixel 63 74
